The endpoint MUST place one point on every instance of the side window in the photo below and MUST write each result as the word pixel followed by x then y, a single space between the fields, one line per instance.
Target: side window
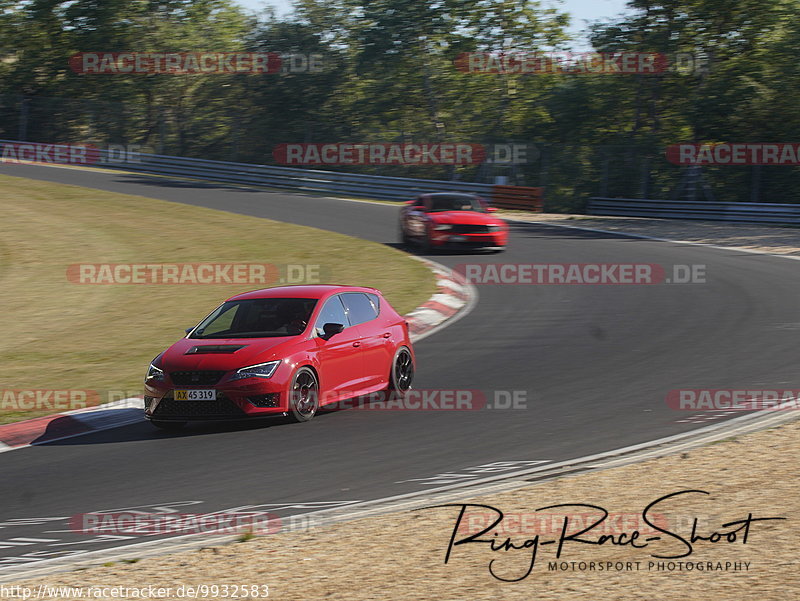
pixel 360 308
pixel 332 312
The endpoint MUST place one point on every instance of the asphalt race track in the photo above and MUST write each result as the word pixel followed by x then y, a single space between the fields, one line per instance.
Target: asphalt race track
pixel 596 363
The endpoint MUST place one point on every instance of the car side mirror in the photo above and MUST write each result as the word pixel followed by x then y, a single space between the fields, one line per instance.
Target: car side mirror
pixel 331 329
pixel 187 330
pixel 491 209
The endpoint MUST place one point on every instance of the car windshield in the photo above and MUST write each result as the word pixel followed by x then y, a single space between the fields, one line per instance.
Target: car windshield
pixel 257 318
pixel 454 202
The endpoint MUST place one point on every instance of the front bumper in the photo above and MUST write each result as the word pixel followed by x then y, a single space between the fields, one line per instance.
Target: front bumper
pixel 261 399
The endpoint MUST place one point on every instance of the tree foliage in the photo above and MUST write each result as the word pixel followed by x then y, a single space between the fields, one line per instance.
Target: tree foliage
pixel 389 74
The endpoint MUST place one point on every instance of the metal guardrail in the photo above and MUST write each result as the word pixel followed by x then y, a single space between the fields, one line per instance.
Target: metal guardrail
pixel 678 209
pixel 301 180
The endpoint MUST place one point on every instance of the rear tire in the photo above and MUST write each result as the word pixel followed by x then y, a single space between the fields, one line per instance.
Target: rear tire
pixel 402 374
pixel 303 395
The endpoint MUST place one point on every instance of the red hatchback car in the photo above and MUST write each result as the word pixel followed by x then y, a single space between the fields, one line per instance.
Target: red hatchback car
pixel 287 350
pixel 448 219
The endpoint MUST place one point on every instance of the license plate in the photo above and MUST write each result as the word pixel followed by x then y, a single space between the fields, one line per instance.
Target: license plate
pixel 196 394
pixel 458 238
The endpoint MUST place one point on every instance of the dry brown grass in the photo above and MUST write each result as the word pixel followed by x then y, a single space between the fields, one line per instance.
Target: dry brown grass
pixel 62 335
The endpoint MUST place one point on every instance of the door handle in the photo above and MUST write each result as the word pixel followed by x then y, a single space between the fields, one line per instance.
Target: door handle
pixel 356 344
pixel 387 335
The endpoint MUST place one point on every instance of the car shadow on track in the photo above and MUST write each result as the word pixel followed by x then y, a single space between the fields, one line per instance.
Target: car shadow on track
pixel 145 431
pixel 413 249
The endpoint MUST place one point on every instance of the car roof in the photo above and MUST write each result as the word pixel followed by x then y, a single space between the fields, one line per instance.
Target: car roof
pixel 317 291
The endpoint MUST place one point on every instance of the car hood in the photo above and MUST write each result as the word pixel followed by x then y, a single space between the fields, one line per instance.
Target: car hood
pixel 224 353
pixel 465 217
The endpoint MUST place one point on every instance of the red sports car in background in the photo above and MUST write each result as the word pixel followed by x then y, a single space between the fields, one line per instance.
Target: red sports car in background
pixel 447 219
pixel 287 350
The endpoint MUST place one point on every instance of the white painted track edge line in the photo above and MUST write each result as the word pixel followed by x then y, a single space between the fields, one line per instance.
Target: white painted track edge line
pixel 742 249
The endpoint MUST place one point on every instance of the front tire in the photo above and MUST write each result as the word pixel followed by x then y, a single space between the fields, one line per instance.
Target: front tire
pixel 304 395
pixel 425 246
pixel 405 239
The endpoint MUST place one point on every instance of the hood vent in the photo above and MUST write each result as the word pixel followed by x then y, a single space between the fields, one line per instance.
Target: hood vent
pixel 215 349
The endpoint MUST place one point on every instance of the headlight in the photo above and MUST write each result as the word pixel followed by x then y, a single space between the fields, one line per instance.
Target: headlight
pixel 154 373
pixel 262 370
pixel 495 228
pixel 443 226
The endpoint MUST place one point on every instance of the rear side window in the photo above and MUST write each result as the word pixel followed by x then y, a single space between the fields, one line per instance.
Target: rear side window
pixel 375 301
pixel 361 307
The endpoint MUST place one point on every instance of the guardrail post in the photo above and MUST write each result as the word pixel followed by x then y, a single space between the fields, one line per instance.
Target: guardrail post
pixel 644 189
pixel 755 189
pixel 604 181
pixel 23 118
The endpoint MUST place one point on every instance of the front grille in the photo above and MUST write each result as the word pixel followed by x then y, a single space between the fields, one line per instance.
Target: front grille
pixel 468 228
pixel 265 400
pixel 223 407
pixel 196 378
